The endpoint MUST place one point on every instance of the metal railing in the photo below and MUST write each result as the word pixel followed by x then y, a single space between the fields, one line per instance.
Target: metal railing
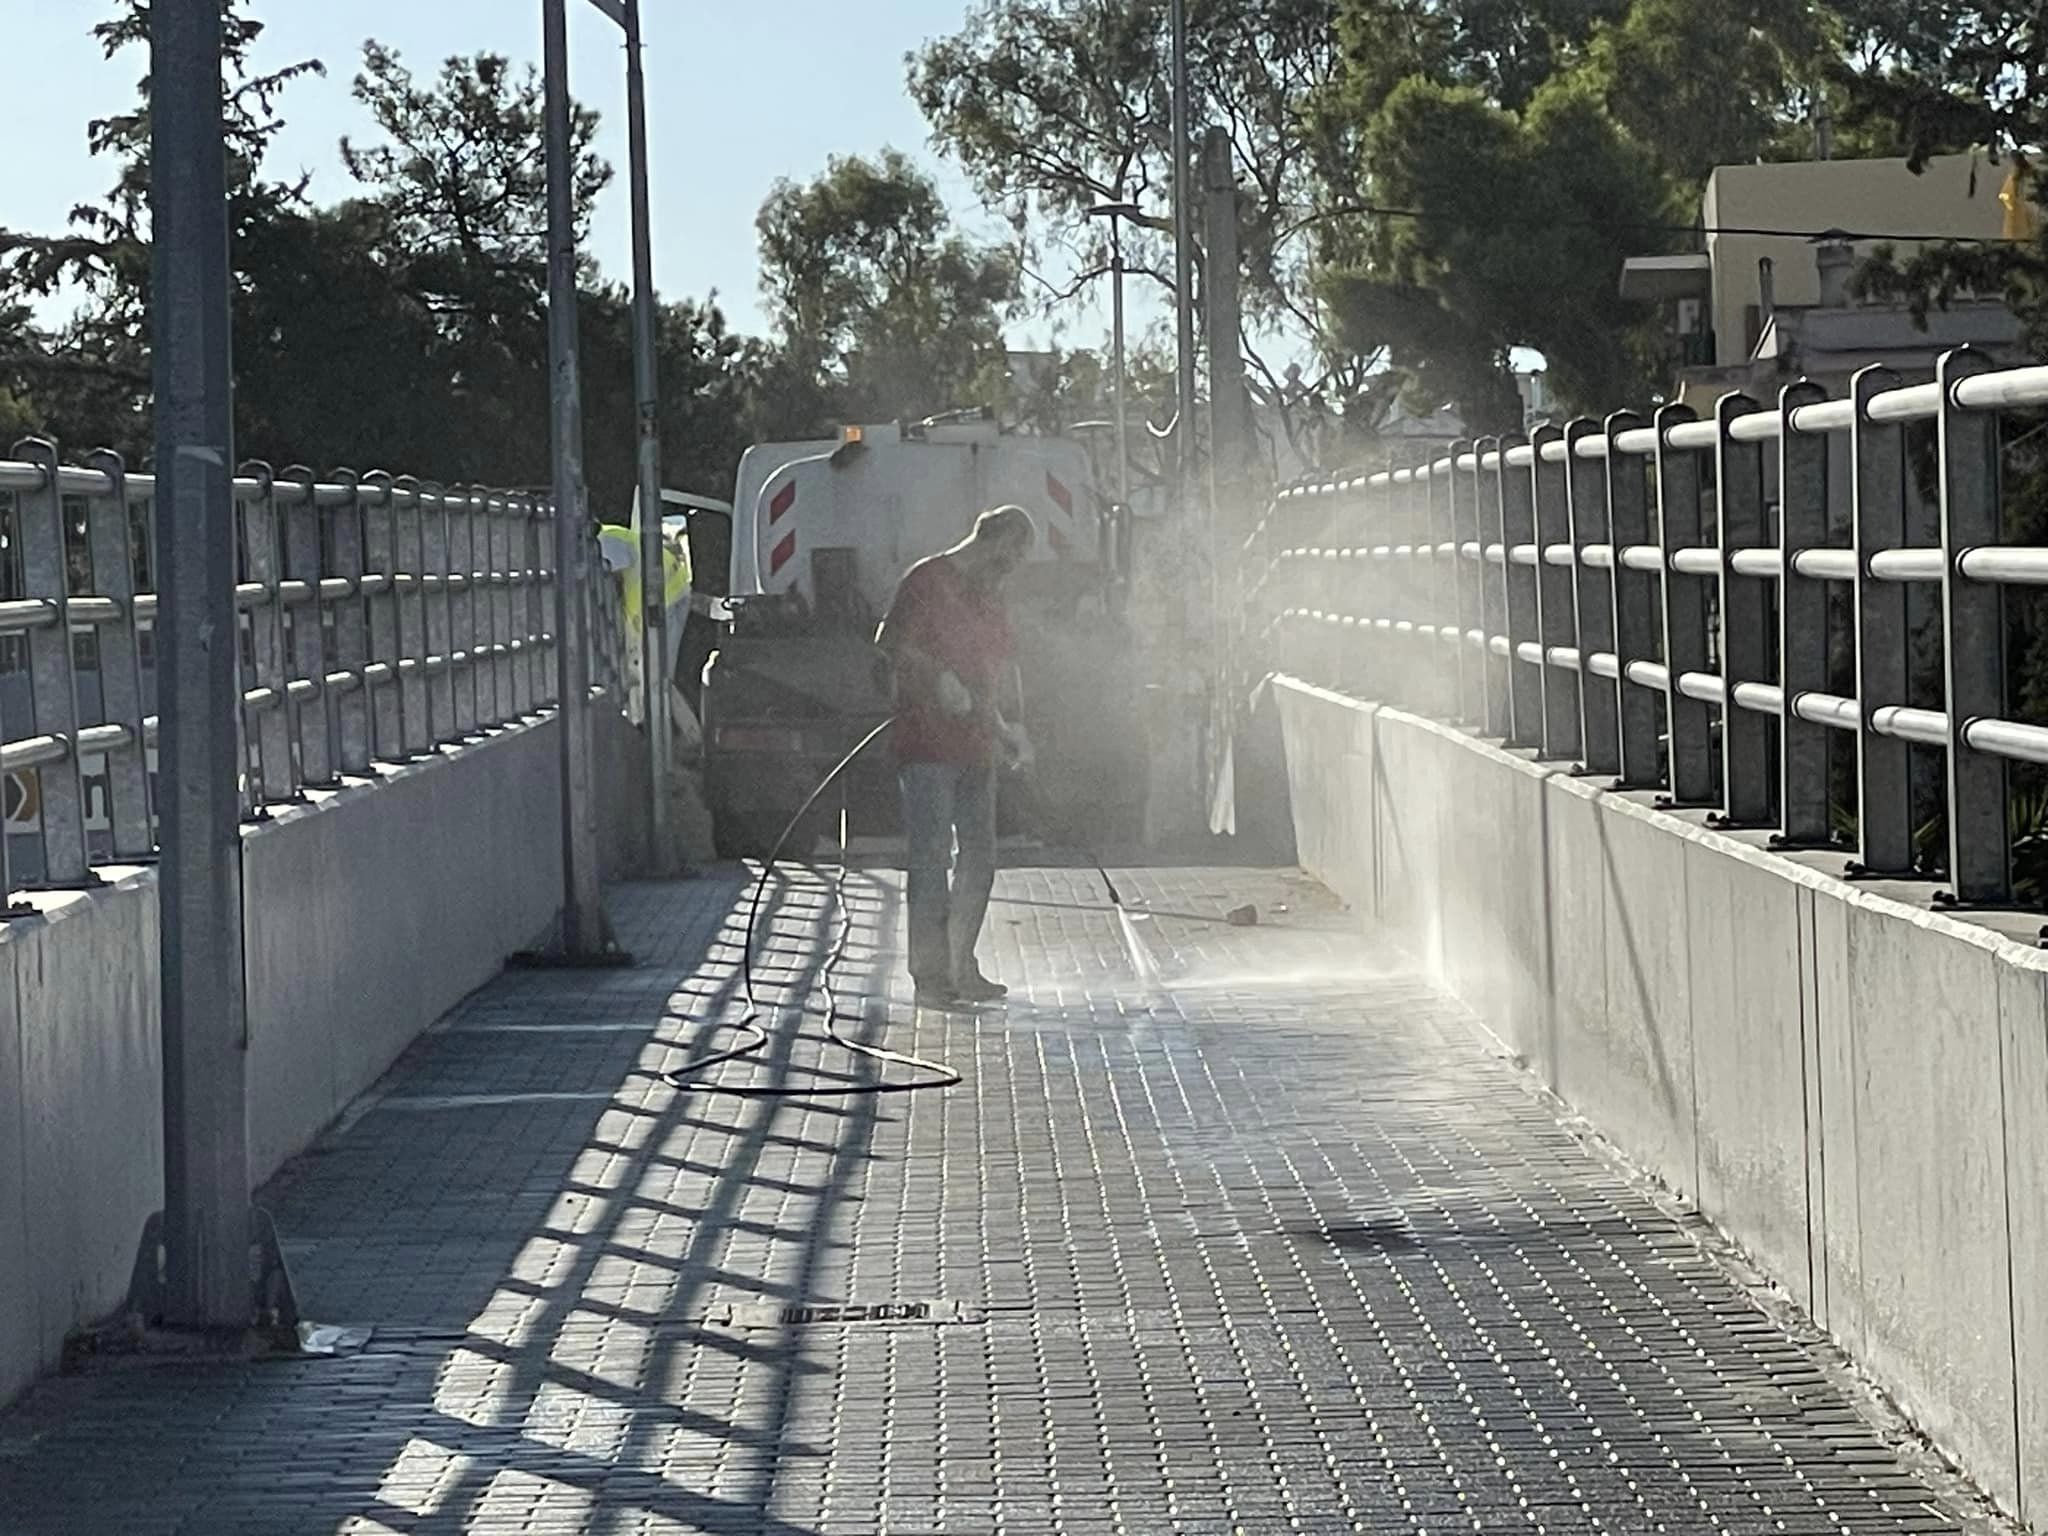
pixel 1653 600
pixel 381 618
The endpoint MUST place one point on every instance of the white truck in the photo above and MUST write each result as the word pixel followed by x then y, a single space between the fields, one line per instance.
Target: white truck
pixel 821 533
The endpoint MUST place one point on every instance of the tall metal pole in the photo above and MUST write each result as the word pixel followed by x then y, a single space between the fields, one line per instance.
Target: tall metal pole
pixel 1183 257
pixel 655 649
pixel 1184 193
pixel 206 1226
pixel 582 923
pixel 1123 415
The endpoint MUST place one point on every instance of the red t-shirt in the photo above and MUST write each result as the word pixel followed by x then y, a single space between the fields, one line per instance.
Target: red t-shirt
pixel 966 632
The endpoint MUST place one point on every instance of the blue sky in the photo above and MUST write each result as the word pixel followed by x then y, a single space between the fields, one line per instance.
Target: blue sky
pixel 740 92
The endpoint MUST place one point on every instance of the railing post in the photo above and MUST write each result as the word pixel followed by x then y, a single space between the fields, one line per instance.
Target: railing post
pixel 1690 752
pixel 1748 769
pixel 1518 530
pixel 53 681
pixel 110 535
pixel 310 721
pixel 1636 596
pixel 1556 598
pixel 499 514
pixel 542 545
pixel 267 725
pixel 1375 613
pixel 1593 601
pixel 437 560
pixel 1328 645
pixel 1355 677
pixel 1418 678
pixel 349 709
pixel 1973 641
pixel 1461 493
pixel 1492 577
pixel 408 518
pixel 1803 804
pixel 380 559
pixel 1444 594
pixel 1884 788
pixel 462 564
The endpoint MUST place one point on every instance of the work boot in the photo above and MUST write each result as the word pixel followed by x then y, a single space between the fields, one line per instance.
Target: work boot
pixel 977 988
pixel 938 997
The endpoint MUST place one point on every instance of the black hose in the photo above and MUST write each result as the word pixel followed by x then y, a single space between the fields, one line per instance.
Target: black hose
pixel 937 1074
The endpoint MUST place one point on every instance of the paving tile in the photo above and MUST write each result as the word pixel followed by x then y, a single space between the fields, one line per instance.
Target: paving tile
pixel 1273 1244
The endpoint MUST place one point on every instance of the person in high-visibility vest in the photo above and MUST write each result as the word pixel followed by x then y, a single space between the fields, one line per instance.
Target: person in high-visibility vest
pixel 621 550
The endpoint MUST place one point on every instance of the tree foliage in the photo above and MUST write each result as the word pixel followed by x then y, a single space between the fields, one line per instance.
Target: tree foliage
pixel 95 368
pixel 883 308
pixel 1056 106
pixel 463 168
pixel 1487 165
pixel 1951 76
pixel 405 326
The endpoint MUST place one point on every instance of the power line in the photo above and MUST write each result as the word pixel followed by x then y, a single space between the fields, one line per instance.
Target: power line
pixel 1378 210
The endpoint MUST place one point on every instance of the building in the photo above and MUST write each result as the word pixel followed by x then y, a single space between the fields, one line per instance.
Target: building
pixel 1768 297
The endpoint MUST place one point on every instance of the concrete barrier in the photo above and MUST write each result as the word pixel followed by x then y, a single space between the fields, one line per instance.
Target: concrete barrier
pixel 1855 1089
pixel 370 911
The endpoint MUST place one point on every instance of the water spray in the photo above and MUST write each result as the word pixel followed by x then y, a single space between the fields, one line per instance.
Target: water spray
pixel 1132 928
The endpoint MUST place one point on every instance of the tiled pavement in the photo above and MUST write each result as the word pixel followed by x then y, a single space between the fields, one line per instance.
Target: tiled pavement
pixel 1271 1245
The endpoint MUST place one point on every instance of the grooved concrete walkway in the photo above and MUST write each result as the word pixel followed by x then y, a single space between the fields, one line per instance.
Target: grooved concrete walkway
pixel 1271 1245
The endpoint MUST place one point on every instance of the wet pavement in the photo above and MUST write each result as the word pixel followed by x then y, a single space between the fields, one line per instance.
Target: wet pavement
pixel 1249 1231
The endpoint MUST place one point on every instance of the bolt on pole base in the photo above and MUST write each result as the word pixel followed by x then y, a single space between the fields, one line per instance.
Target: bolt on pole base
pixel 272 1326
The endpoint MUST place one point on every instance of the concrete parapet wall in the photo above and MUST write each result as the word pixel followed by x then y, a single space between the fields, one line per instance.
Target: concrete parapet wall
pixel 1854 1088
pixel 370 911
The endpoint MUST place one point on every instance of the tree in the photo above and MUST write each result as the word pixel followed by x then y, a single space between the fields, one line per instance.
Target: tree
pixel 89 381
pixel 1487 166
pixel 1755 103
pixel 1955 76
pixel 1055 106
pixel 1520 222
pixel 1505 50
pixel 404 328
pixel 464 168
pixel 883 309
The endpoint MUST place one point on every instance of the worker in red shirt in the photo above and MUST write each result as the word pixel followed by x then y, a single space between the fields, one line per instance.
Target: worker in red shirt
pixel 949 641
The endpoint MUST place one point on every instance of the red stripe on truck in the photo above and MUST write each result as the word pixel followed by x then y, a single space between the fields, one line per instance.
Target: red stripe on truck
pixel 784 500
pixel 782 554
pixel 1061 496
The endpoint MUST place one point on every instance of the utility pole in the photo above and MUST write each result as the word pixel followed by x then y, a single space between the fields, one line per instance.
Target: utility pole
pixel 1229 461
pixel 1229 430
pixel 655 644
pixel 1184 758
pixel 582 935
pixel 1183 259
pixel 193 1273
pixel 1116 212
pixel 1123 410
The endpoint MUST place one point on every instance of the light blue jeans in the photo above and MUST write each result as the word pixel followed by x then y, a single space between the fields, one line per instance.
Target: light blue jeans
pixel 949 820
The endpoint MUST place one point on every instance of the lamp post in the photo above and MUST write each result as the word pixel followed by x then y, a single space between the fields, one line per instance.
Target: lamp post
pixel 654 638
pixel 582 932
pixel 583 918
pixel 1183 257
pixel 206 1217
pixel 1116 213
pixel 1184 379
